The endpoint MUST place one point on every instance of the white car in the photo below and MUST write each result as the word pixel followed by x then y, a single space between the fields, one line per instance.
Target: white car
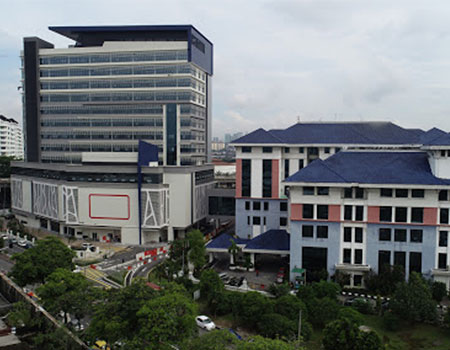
pixel 22 243
pixel 205 322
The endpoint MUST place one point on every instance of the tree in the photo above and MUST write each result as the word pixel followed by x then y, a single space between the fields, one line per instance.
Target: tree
pixel 438 291
pixel 66 291
pixel 413 301
pixel 352 315
pixel 274 325
pixel 5 166
pixel 322 311
pixel 343 334
pixel 15 226
pixel 290 306
pixel 53 340
pixel 35 264
pixel 215 340
pixel 211 287
pixel 260 343
pixel 233 249
pixel 197 251
pixel 22 316
pixel 324 289
pixel 252 307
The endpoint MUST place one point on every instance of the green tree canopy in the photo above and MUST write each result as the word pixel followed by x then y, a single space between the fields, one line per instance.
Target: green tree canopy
pixel 211 287
pixel 215 340
pixel 197 251
pixel 35 264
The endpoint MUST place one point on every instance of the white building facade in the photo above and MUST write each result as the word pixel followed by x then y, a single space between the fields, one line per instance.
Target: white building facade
pixel 11 138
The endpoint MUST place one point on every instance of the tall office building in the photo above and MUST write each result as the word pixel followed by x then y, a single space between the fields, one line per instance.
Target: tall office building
pixel 115 86
pixel 11 138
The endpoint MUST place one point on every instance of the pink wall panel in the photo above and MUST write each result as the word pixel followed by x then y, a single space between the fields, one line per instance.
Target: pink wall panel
pixel 430 216
pixel 373 214
pixel 334 213
pixel 296 211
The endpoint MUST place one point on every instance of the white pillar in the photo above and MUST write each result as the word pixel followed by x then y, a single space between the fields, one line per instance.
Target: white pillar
pixel 231 259
pixel 252 259
pixel 211 257
pixel 170 235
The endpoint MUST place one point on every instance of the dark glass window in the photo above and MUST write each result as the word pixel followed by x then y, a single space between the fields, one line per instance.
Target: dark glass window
pixel 416 214
pixel 283 206
pixel 444 216
pixel 301 150
pixel 308 191
pixel 286 168
pixel 416 236
pixel 247 205
pixel 400 259
pixel 400 214
pixel 442 261
pixel 267 149
pixel 337 149
pixel 347 256
pixel 358 256
pixel 359 214
pixel 287 149
pixel 256 205
pixel 443 238
pixel 415 262
pixel 348 192
pixel 323 191
pixel 385 234
pixel 246 177
pixel 357 280
pixel 358 234
pixel 348 210
pixel 384 258
pixel 256 220
pixel 400 235
pixel 386 192
pixel 301 164
pixel 307 231
pixel 264 220
pixel 327 149
pixel 322 212
pixel 266 205
pixel 401 193
pixel 283 221
pixel 359 192
pixel 322 231
pixel 308 211
pixel 443 195
pixel 246 149
pixel 248 220
pixel 347 234
pixel 267 178
pixel 417 193
pixel 443 153
pixel 313 151
pixel 386 214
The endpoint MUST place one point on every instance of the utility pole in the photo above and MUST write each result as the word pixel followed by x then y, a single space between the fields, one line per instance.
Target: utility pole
pixel 299 323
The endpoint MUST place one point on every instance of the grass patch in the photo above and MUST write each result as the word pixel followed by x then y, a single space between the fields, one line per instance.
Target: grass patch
pixel 118 276
pixel 87 262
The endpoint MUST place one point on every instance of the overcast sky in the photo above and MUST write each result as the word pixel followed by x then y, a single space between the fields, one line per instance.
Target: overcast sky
pixel 277 61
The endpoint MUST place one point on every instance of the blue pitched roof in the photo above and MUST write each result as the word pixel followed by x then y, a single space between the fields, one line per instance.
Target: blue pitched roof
pixel 224 241
pixel 442 140
pixel 431 135
pixel 370 168
pixel 270 240
pixel 335 133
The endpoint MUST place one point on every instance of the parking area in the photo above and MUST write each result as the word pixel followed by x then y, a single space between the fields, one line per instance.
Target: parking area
pixel 267 269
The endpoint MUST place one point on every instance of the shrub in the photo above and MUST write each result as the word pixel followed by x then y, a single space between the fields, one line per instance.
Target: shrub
pixel 363 306
pixel 391 322
pixel 352 315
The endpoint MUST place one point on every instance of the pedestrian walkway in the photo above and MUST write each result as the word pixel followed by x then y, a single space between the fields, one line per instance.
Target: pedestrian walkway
pixel 98 277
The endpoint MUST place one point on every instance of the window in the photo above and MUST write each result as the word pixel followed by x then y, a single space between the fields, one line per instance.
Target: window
pixel 322 231
pixel 264 220
pixel 301 164
pixel 401 193
pixel 307 231
pixel 256 220
pixel 347 234
pixel 357 280
pixel 266 206
pixel 443 195
pixel 247 205
pixel 246 149
pixel 443 153
pixel 323 191
pixel 313 151
pixel 348 193
pixel 337 149
pixel 287 149
pixel 358 234
pixel 327 150
pixel 386 214
pixel 322 212
pixel 308 191
pixel 416 214
pixel 358 256
pixel 384 258
pixel 267 178
pixel 283 206
pixel 385 234
pixel 400 259
pixel 283 221
pixel 256 205
pixel 267 149
pixel 386 192
pixel 442 261
pixel 359 214
pixel 443 238
pixel 415 262
pixel 401 214
pixel 246 177
pixel 359 192
pixel 347 256
pixel 308 211
pixel 301 150
pixel 348 211
pixel 444 216
pixel 416 236
pixel 248 220
pixel 400 235
pixel 418 193
pixel 286 168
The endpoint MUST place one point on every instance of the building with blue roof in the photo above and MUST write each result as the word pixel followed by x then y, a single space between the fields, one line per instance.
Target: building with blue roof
pixel 352 197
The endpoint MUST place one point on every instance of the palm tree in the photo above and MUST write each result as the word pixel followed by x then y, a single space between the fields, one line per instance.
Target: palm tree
pixel 233 250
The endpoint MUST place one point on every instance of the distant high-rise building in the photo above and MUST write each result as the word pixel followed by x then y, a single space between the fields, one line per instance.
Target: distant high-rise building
pixel 11 138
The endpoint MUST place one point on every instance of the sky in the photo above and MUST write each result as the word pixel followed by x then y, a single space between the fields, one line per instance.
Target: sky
pixel 277 62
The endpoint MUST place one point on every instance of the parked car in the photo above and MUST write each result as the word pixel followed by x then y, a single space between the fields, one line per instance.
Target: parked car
pixel 233 281
pixel 86 245
pixel 205 322
pixel 22 243
pixel 241 280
